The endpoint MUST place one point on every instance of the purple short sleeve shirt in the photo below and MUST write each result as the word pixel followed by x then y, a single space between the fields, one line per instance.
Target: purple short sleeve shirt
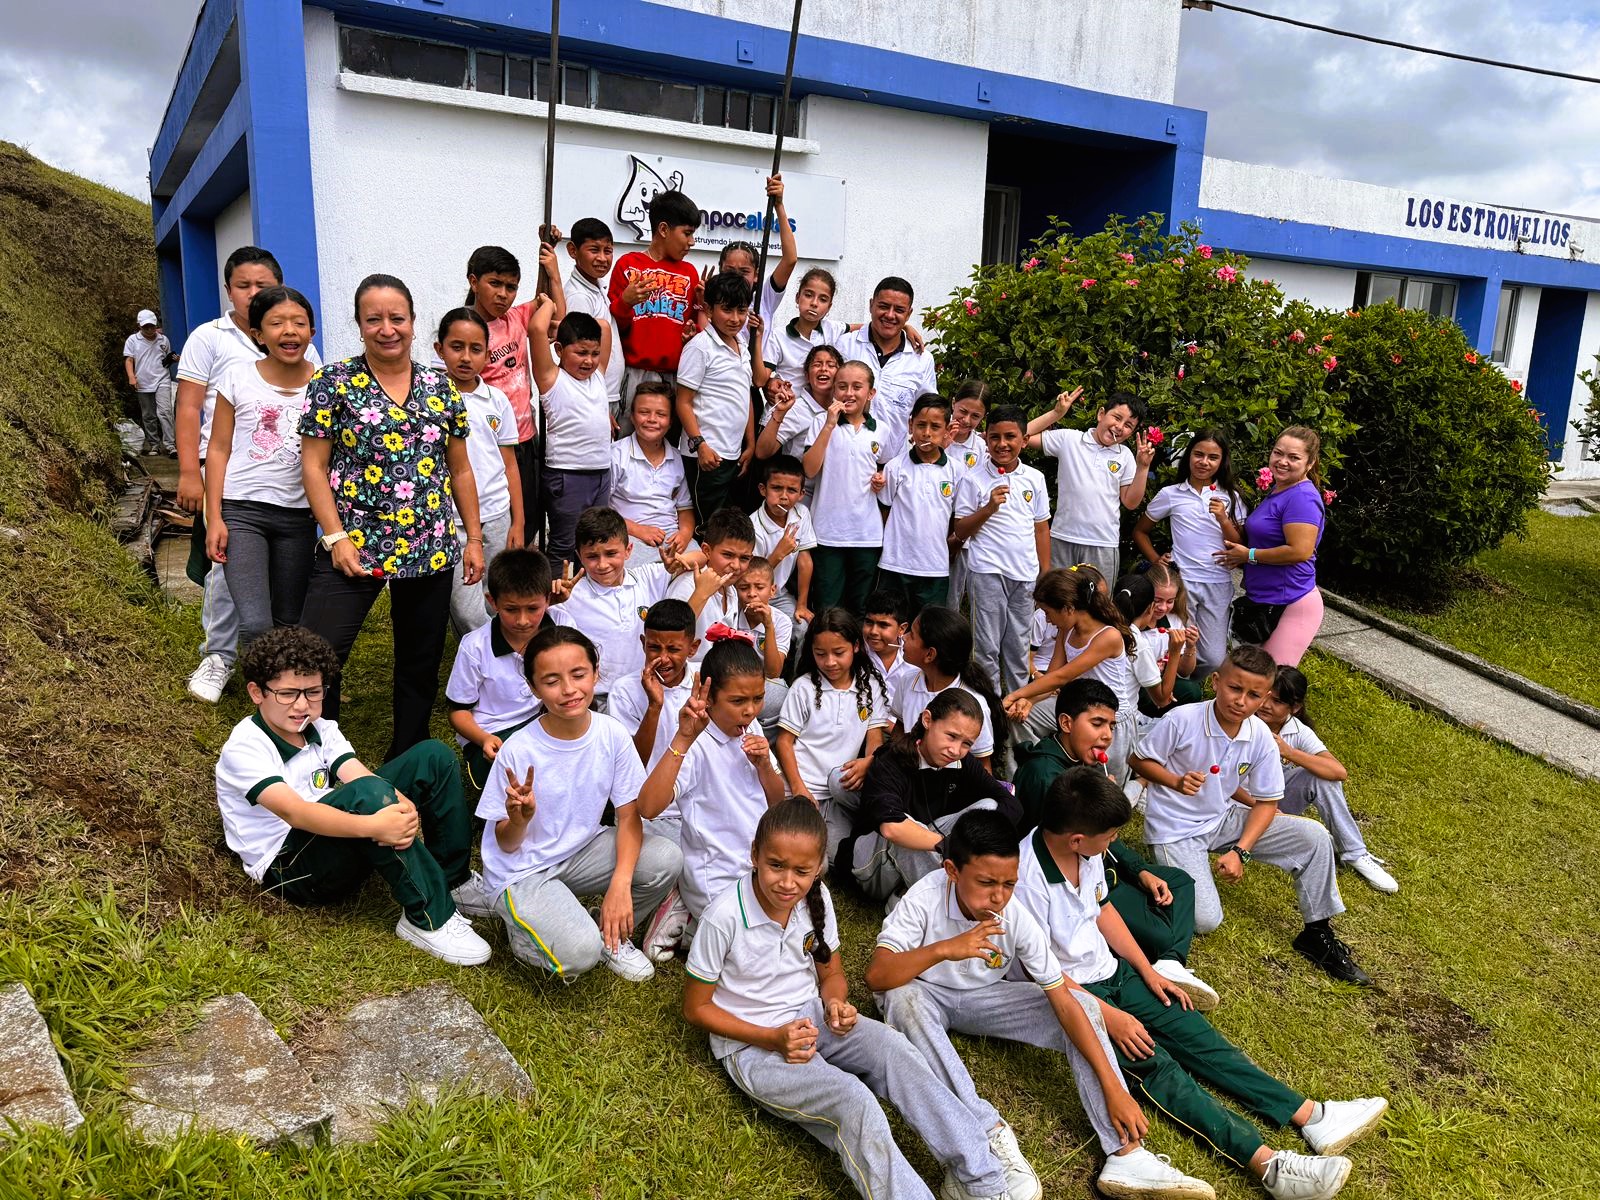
pixel 1299 505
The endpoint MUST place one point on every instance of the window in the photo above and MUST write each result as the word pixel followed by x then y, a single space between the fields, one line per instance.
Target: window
pixel 1505 324
pixel 367 52
pixel 1002 221
pixel 1436 297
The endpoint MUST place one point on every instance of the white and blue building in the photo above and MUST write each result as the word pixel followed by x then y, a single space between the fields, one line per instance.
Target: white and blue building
pixel 351 136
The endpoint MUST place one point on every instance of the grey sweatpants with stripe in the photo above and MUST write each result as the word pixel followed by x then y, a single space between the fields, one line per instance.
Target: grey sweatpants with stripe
pixel 835 1098
pixel 548 925
pixel 1010 1009
pixel 1303 788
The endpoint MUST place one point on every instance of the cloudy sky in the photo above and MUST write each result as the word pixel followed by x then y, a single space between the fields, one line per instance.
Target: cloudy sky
pixel 83 84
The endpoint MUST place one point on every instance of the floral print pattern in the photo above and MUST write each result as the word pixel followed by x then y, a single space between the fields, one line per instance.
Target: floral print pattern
pixel 390 480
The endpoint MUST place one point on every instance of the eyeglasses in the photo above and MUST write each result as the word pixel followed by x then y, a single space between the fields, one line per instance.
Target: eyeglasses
pixel 290 695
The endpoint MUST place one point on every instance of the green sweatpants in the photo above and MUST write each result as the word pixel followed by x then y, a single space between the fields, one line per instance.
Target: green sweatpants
pixel 1161 931
pixel 1187 1049
pixel 924 591
pixel 843 576
pixel 311 869
pixel 476 766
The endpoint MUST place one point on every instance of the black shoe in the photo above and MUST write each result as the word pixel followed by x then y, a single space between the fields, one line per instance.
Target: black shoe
pixel 1318 943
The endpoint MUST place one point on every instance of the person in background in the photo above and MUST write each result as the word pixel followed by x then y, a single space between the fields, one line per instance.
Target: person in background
pixel 145 357
pixel 903 369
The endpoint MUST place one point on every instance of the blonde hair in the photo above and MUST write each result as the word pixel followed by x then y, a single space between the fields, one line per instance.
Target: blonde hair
pixel 1163 574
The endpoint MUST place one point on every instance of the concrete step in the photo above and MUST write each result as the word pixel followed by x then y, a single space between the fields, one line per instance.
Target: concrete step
pixel 33 1087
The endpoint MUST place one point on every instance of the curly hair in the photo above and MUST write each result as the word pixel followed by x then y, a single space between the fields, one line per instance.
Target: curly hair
pixel 288 650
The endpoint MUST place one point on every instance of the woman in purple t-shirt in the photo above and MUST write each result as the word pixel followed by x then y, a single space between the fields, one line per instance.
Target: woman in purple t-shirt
pixel 1279 553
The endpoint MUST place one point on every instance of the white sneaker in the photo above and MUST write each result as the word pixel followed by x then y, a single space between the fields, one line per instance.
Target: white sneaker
pixel 627 961
pixel 1343 1122
pixel 953 1189
pixel 453 942
pixel 1202 993
pixel 1146 1175
pixel 1022 1182
pixel 1293 1176
pixel 1371 869
pixel 209 678
pixel 666 928
pixel 471 898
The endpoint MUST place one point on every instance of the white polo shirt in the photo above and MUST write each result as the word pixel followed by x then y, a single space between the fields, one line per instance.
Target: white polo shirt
pixel 614 618
pixel 721 799
pixel 769 533
pixel 930 912
pixel 252 760
pixel 1042 641
pixel 1068 913
pixel 902 376
pixel 1089 480
pixel 891 675
pixel 648 493
pixel 786 347
pixel 586 297
pixel 492 423
pixel 797 431
pixel 629 702
pixel 1303 738
pixel 920 497
pixel 912 694
pixel 844 510
pixel 829 732
pixel 1195 532
pixel 1005 544
pixel 720 377
pixel 577 423
pixel 1188 738
pixel 763 971
pixel 572 780
pixel 782 628
pixel 488 676
pixel 973 452
pixel 208 355
pixel 149 359
pixel 723 607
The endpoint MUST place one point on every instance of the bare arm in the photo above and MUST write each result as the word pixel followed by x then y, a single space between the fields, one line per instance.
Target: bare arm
pixel 1141 538
pixel 784 747
pixel 517 537
pixel 189 407
pixel 1044 420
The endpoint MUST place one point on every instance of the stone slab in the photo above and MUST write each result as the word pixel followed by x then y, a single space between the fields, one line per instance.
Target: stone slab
pixel 232 1075
pixel 416 1045
pixel 33 1087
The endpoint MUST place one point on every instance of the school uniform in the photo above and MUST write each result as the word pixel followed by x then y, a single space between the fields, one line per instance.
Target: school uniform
pixel 911 695
pixel 1126 675
pixel 309 868
pixel 720 797
pixel 1089 481
pixel 586 296
pixel 783 634
pixel 720 376
pixel 628 706
pixel 986 998
pixel 892 675
pixel 830 730
pixel 1183 831
pixel 489 679
pixel 902 373
pixel 786 347
pixel 493 423
pixel 1302 788
pixel 1196 537
pixel 844 513
pixel 919 496
pixel 797 432
pixel 763 973
pixel 964 455
pixel 149 357
pixel 613 618
pixel 1187 1046
pixel 1157 645
pixel 647 493
pixel 577 456
pixel 566 852
pixel 769 533
pixel 1003 566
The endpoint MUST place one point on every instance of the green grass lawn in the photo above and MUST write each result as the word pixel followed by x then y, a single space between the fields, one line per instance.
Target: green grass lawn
pixel 1535 613
pixel 122 912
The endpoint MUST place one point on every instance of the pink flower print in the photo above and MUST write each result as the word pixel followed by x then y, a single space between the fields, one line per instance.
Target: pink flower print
pixel 1329 363
pixel 430 434
pixel 404 490
pixel 1297 337
pixel 1030 264
pixel 438 529
pixel 1088 283
pixel 334 480
pixel 1125 257
pixel 1264 478
pixel 1203 251
pixel 371 416
pixel 1227 274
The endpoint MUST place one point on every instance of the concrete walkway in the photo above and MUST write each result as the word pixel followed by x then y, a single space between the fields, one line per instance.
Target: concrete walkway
pixel 1462 696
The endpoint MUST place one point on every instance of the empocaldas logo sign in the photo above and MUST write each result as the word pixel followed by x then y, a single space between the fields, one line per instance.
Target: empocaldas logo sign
pixel 731 198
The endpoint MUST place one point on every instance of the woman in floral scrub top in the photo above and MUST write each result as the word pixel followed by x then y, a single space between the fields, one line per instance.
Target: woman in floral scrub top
pixel 382 453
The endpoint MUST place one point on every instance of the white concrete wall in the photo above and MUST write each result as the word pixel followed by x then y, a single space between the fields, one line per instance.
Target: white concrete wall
pixel 1326 287
pixel 431 207
pixel 232 228
pixel 1124 47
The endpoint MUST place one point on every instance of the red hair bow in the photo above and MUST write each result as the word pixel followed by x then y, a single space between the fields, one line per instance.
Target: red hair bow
pixel 721 633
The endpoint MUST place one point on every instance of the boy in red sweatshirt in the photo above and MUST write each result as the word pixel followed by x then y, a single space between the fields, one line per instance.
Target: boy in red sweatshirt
pixel 653 294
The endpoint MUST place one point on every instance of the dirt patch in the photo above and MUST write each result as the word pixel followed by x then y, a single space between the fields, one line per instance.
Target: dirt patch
pixel 1443 1035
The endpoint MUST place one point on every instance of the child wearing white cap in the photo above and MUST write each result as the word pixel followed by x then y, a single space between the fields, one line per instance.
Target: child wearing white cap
pixel 146 356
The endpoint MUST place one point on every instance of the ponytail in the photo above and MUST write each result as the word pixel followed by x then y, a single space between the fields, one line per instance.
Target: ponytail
pixel 1078 588
pixel 803 818
pixel 949 635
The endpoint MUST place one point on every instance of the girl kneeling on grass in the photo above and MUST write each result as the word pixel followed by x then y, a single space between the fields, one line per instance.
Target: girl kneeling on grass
pixel 544 845
pixel 766 983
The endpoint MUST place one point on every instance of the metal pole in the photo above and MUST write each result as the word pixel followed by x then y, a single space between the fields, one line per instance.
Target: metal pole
pixel 782 123
pixel 546 235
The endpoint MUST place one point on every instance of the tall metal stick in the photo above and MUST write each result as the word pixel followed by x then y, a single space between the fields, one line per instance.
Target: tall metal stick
pixel 782 123
pixel 546 235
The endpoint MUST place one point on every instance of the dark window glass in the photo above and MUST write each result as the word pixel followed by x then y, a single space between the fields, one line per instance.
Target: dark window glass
pixel 761 113
pixel 491 73
pixel 791 127
pixel 576 80
pixel 713 109
pixel 647 97
pixel 738 110
pixel 519 78
pixel 370 53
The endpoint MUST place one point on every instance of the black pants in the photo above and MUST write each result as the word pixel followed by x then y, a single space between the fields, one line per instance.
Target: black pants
pixel 709 490
pixel 336 608
pixel 530 466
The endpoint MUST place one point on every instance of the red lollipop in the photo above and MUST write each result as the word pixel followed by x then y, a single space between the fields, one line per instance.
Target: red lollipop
pixel 1215 769
pixel 1100 756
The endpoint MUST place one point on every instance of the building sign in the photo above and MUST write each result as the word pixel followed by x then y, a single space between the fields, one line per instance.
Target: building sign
pixel 1504 228
pixel 617 186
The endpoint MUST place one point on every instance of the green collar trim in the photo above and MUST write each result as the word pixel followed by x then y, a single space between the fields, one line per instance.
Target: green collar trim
pixel 287 749
pixel 866 419
pixel 1047 861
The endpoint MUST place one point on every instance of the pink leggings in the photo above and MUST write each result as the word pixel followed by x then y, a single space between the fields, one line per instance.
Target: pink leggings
pixel 1296 629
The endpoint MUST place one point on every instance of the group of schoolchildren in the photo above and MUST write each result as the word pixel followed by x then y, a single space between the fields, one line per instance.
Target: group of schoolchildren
pixel 693 709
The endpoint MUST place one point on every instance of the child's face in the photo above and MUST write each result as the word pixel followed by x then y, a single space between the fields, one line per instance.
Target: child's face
pixel 1275 711
pixel 984 884
pixel 814 300
pixel 786 866
pixel 820 375
pixel 968 415
pixel 912 647
pixel 563 680
pixel 835 657
pixel 728 321
pixel 288 717
pixel 1090 730
pixel 1061 618
pixel 605 562
pixel 738 702
pixel 1166 597
pixel 1005 440
pixel 1113 426
pixel 730 557
pixel 881 633
pixel 652 417
pixel 494 292
pixel 676 240
pixel 782 492
pixel 949 739
pixel 464 352
pixel 755 587
pixel 286 331
pixel 850 388
pixel 890 312
pixel 1239 693
pixel 1205 460
pixel 928 430
pixel 246 280
pixel 581 359
pixel 739 262
pixel 593 257
pixel 519 615
pixel 667 652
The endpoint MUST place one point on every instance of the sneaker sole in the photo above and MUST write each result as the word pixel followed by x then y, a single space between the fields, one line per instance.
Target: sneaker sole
pixel 1356 1134
pixel 405 933
pixel 655 948
pixel 1203 998
pixel 1159 1191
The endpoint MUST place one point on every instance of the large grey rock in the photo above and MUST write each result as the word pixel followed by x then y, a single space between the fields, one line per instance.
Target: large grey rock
pixel 231 1075
pixel 390 1050
pixel 33 1087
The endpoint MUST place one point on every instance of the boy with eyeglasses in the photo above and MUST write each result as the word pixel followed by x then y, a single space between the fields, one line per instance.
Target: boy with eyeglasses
pixel 309 822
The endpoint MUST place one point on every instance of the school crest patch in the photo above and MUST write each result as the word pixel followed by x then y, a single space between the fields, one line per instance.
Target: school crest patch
pixel 1027 495
pixel 319 777
pixel 1115 468
pixel 947 489
pixel 863 712
pixel 876 447
pixel 494 424
pixel 1100 892
pixel 970 459
pixel 1244 769
pixel 644 611
pixel 810 942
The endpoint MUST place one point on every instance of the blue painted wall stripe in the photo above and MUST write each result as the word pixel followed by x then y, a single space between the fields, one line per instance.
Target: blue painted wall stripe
pixel 217 156
pixel 216 17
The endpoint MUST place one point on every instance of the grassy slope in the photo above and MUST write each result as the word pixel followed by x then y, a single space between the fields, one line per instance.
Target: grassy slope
pixel 1535 614
pixel 121 912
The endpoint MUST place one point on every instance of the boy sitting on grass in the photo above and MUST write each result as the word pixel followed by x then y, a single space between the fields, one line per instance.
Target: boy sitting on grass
pixel 311 823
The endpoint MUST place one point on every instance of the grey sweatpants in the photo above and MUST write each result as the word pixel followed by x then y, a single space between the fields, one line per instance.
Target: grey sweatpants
pixel 467 608
pixel 1210 609
pixel 219 618
pixel 1105 559
pixel 149 419
pixel 1010 1009
pixel 880 866
pixel 1298 845
pixel 166 418
pixel 270 547
pixel 1304 788
pixel 835 1098
pixel 1002 621
pixel 550 928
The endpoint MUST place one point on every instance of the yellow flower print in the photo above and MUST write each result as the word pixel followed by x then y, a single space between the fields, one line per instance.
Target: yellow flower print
pixel 348 437
pixel 325 417
pixel 361 379
pixel 436 404
pixel 450 528
pixel 373 474
pixel 357 538
pixel 342 390
pixel 433 501
pixel 439 559
pixel 393 442
pixel 402 546
pixel 391 565
pixel 349 488
pixel 425 466
pixel 406 516
pixel 396 413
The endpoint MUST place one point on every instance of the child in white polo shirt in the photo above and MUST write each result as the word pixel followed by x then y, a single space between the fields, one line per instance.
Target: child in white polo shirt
pixel 647 483
pixel 938 648
pixel 948 959
pixel 1002 514
pixel 885 617
pixel 765 981
pixel 714 380
pixel 1215 781
pixel 310 823
pixel 591 249
pixel 919 488
pixel 1095 473
pixel 728 541
pixel 773 632
pixel 577 419
pixel 846 461
pixel 785 536
pixel 544 845
pixel 796 416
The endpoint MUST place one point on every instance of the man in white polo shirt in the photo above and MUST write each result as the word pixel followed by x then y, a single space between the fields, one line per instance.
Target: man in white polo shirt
pixel 903 373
